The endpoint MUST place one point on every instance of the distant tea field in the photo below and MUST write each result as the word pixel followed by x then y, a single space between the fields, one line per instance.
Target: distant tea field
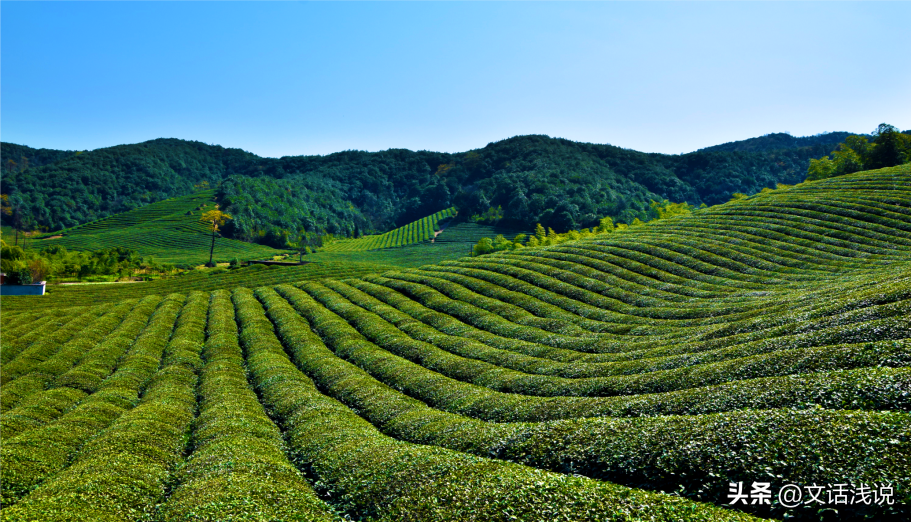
pixel 749 361
pixel 415 232
pixel 168 231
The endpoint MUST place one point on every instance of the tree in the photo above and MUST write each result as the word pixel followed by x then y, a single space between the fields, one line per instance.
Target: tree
pixel 851 156
pixel 12 206
pixel 491 216
pixel 302 245
pixel 484 246
pixel 214 219
pixel 606 225
pixel 821 168
pixel 5 206
pixel 518 241
pixel 39 268
pixel 501 243
pixel 665 209
pixel 540 233
pixel 11 258
pixel 552 237
pixel 889 148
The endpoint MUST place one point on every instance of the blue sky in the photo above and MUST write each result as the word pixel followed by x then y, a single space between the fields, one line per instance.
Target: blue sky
pixel 314 78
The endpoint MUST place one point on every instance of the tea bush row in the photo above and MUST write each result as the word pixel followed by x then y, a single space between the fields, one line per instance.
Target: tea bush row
pixel 127 468
pixel 49 344
pixel 36 455
pixel 699 453
pixel 414 232
pixel 372 475
pixel 28 401
pixel 515 358
pixel 475 399
pixel 237 469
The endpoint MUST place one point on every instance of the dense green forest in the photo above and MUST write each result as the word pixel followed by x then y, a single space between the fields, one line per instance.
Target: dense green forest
pixel 780 140
pixel 20 157
pixel 527 180
pixel 887 147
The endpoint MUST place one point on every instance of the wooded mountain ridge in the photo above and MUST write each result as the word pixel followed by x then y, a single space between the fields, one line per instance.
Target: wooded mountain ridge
pixel 520 181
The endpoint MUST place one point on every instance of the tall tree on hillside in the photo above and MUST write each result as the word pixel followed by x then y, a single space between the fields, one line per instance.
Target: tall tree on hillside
pixel 890 148
pixel 302 245
pixel 214 219
pixel 12 207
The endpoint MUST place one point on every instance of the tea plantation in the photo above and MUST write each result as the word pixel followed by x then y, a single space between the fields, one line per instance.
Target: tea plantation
pixel 168 231
pixel 690 368
pixel 414 232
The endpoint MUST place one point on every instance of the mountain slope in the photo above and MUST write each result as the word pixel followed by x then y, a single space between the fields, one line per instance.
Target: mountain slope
pixel 778 141
pixel 559 183
pixel 20 157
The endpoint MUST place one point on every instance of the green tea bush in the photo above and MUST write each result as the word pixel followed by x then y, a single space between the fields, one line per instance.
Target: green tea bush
pixel 32 457
pixel 124 471
pixel 18 338
pixel 237 467
pixel 734 446
pixel 169 232
pixel 49 344
pixel 548 363
pixel 34 406
pixel 372 475
pixel 474 399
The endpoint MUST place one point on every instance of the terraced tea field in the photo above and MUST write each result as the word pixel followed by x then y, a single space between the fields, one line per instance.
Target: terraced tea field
pixel 638 375
pixel 471 233
pixel 414 232
pixel 424 238
pixel 407 256
pixel 454 242
pixel 168 230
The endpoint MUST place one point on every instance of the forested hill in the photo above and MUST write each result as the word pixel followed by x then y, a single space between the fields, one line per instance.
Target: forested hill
pixel 535 179
pixel 781 140
pixel 20 157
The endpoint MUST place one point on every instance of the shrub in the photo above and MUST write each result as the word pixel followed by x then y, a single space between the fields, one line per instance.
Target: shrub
pixel 19 276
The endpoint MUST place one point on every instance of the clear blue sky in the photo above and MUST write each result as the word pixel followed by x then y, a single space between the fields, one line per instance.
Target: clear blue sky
pixel 314 78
